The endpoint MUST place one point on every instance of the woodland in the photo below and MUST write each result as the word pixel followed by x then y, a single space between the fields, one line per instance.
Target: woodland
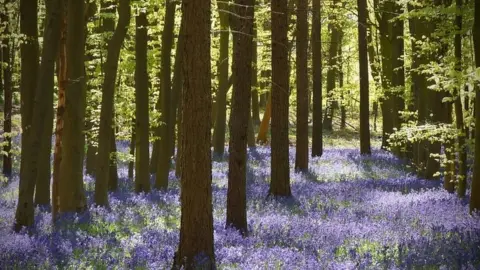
pixel 240 134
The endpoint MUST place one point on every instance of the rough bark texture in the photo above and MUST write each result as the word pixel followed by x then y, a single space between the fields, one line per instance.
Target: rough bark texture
pixel 62 84
pixel 363 70
pixel 317 118
pixel 475 194
pixel 242 26
pixel 7 61
pixel 223 65
pixel 164 150
pixel 280 169
pixel 29 70
pixel 196 227
pixel 108 93
pixel 142 176
pixel 44 86
pixel 72 194
pixel 301 153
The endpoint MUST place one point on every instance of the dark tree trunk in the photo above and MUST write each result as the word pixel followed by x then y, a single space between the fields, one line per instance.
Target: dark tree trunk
pixel 317 128
pixel 72 194
pixel 142 176
pixel 6 69
pixel 280 168
pixel 25 213
pixel 223 64
pixel 301 153
pixel 242 26
pixel 113 170
pixel 475 194
pixel 196 227
pixel 164 149
pixel 29 70
pixel 133 139
pixel 462 150
pixel 363 68
pixel 108 93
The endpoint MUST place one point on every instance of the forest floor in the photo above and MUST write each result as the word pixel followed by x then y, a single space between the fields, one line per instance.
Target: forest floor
pixel 348 212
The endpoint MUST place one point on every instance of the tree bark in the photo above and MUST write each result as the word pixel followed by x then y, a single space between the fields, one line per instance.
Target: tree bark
pixel 25 213
pixel 164 153
pixel 317 118
pixel 223 65
pixel 475 193
pixel 363 73
pixel 280 168
pixel 108 93
pixel 142 176
pixel 301 153
pixel 196 226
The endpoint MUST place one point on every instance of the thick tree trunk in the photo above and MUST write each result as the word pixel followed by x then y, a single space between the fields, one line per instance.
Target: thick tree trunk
pixel 363 70
pixel 317 118
pixel 475 194
pixel 72 194
pixel 223 65
pixel 29 70
pixel 280 169
pixel 44 87
pixel 62 81
pixel 242 26
pixel 142 176
pixel 108 93
pixel 164 150
pixel 196 227
pixel 301 153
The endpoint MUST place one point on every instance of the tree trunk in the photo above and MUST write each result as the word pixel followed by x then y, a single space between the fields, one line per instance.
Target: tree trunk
pixel 142 176
pixel 133 139
pixel 475 194
pixel 301 153
pixel 164 150
pixel 6 69
pixel 25 213
pixel 72 194
pixel 317 125
pixel 332 72
pixel 242 26
pixel 62 84
pixel 196 227
pixel 280 168
pixel 223 65
pixel 263 130
pixel 363 73
pixel 255 96
pixel 29 71
pixel 108 93
pixel 113 170
pixel 462 150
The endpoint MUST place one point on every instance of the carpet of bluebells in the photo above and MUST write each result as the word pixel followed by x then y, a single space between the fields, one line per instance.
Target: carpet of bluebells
pixel 348 212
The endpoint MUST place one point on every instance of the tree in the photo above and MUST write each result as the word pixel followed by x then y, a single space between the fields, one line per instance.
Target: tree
pixel 475 194
pixel 142 175
pixel 280 167
pixel 242 26
pixel 72 194
pixel 301 153
pixel 317 126
pixel 332 69
pixel 196 225
pixel 108 93
pixel 221 102
pixel 363 67
pixel 7 61
pixel 164 152
pixel 25 213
